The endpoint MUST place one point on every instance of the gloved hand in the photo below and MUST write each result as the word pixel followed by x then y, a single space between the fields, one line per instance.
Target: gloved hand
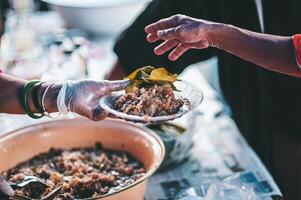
pixel 82 97
pixel 181 33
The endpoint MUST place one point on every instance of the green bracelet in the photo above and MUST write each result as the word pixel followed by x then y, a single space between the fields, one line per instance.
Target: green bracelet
pixel 24 101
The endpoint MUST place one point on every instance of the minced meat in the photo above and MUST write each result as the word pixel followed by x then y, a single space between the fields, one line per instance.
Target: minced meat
pixel 74 174
pixel 152 101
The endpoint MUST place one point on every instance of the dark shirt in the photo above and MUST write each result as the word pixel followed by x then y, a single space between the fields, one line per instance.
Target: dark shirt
pixel 261 101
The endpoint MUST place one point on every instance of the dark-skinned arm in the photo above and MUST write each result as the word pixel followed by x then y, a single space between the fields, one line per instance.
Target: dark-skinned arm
pixel 182 33
pixel 81 97
pixel 272 52
pixel 10 89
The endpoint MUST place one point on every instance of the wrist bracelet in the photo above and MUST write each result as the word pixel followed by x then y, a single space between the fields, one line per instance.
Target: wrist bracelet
pixel 46 113
pixel 35 97
pixel 24 100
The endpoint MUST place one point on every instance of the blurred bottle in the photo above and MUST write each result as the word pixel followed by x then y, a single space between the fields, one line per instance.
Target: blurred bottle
pixel 20 51
pixel 19 27
pixel 22 6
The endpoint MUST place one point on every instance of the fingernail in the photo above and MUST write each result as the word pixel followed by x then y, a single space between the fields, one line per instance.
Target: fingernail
pixel 158 52
pixel 172 58
pixel 148 39
pixel 146 29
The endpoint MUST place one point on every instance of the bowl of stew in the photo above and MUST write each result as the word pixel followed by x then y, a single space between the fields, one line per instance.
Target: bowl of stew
pixel 80 159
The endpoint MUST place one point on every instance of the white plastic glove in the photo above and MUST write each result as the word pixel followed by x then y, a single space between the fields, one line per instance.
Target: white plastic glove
pixel 82 97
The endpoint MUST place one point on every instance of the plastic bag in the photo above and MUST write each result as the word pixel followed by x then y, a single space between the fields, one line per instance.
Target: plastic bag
pixel 232 188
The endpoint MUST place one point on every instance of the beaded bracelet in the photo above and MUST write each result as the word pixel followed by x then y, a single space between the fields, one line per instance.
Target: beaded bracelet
pixel 24 102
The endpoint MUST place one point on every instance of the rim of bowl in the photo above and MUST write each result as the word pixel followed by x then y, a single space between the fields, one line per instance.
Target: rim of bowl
pixel 95 5
pixel 158 119
pixel 135 118
pixel 147 131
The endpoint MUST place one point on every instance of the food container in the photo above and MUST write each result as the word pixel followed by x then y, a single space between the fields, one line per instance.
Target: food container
pixel 145 145
pixel 98 16
pixel 177 136
pixel 186 91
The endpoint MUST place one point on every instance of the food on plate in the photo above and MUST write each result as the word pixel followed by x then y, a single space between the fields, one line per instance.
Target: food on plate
pixel 150 94
pixel 153 101
pixel 74 174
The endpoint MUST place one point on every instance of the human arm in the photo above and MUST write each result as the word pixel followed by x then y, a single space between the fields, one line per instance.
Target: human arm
pixel 10 91
pixel 81 97
pixel 182 33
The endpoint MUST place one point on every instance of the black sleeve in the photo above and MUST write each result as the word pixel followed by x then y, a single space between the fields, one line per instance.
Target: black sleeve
pixel 134 51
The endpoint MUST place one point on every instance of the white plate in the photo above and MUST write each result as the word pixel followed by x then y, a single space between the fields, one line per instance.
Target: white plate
pixel 187 91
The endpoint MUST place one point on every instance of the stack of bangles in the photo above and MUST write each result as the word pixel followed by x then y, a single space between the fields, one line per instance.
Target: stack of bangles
pixel 297 47
pixel 31 89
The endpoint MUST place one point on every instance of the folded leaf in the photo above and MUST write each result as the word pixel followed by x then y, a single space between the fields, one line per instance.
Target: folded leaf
pixel 161 74
pixel 149 76
pixel 137 73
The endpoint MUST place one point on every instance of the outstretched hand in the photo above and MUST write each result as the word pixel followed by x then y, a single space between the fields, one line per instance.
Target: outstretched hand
pixel 180 33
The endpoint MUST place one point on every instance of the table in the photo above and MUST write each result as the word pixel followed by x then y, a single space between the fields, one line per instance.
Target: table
pixel 219 151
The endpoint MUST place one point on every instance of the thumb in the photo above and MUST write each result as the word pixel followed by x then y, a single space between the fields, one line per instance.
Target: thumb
pixel 117 85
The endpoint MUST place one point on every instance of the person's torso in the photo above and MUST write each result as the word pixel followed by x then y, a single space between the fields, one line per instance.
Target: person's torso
pixel 261 100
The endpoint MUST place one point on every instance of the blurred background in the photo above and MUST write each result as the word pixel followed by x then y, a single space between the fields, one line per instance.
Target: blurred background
pixel 63 39
pixel 58 39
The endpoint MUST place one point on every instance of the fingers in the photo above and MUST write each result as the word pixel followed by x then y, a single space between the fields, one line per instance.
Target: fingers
pixel 161 24
pixel 116 85
pixel 152 37
pixel 178 51
pixel 183 47
pixel 112 116
pixel 98 114
pixel 165 46
pixel 93 113
pixel 89 108
pixel 165 34
pixel 168 34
